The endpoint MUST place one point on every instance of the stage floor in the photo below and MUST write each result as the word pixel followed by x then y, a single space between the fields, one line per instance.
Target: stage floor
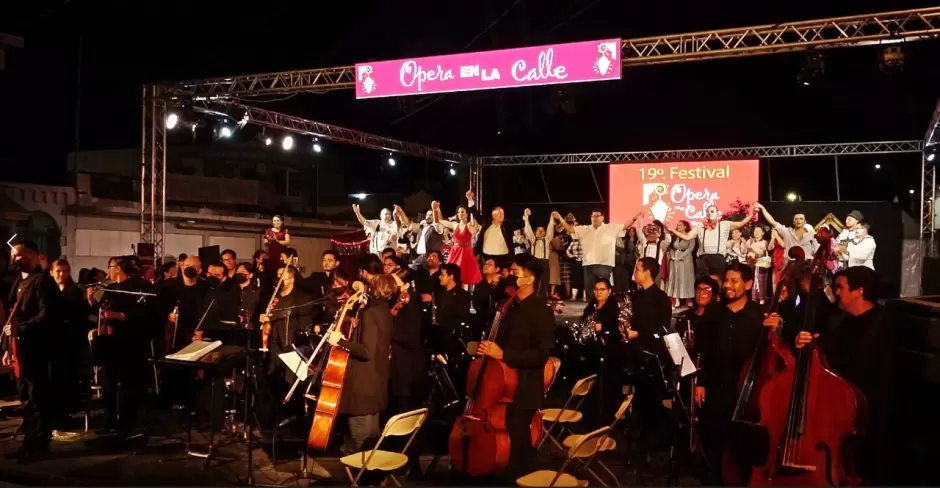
pixel 161 461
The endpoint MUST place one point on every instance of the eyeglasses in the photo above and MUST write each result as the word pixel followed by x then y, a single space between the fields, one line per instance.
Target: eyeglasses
pixel 602 289
pixel 703 290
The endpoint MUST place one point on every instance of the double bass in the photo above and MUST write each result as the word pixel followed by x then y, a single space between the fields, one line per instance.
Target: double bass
pixel 766 361
pixel 807 410
pixel 479 440
pixel 334 374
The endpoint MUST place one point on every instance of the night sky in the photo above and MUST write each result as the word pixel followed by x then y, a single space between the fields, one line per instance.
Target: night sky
pixel 707 104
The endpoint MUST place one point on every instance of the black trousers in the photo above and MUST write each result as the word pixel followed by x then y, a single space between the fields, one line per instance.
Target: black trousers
pixel 522 455
pixel 125 379
pixel 710 264
pixel 38 409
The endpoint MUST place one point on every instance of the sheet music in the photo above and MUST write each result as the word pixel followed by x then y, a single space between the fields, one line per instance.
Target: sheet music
pixel 679 354
pixel 294 363
pixel 195 351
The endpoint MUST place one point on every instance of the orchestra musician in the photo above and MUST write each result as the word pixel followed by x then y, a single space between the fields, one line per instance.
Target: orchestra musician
pixel 182 304
pixel 453 313
pixel 290 318
pixel 409 368
pixel 365 395
pixel 733 332
pixel 33 303
pixel 249 300
pixel 221 305
pixel 68 369
pixel 604 312
pixel 124 352
pixel 857 345
pixel 652 315
pixel 524 343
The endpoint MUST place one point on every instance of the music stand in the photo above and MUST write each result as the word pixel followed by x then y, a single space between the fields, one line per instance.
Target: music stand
pixel 684 366
pixel 214 364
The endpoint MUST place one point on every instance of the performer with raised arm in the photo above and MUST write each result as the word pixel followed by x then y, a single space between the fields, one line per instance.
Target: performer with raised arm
pixel 495 240
pixel 801 234
pixel 275 240
pixel 540 245
pixel 461 253
pixel 429 236
pixel 382 233
pixel 598 242
pixel 713 238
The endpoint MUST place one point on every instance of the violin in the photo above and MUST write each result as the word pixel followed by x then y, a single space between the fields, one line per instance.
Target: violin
pixel 807 410
pixel 479 441
pixel 404 298
pixel 14 337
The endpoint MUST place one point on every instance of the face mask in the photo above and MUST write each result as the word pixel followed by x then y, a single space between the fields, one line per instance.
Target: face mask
pixel 213 281
pixel 190 273
pixel 241 279
pixel 16 267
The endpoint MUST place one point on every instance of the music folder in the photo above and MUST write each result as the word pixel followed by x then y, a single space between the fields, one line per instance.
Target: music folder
pixel 679 354
pixel 195 351
pixel 295 363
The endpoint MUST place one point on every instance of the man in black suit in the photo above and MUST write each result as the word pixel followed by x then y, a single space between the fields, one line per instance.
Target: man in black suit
pixel 524 343
pixel 453 313
pixel 495 237
pixel 35 295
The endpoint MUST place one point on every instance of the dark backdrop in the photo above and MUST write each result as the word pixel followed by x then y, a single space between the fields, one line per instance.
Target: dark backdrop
pixel 884 218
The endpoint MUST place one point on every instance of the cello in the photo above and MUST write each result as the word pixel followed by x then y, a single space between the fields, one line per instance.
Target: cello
pixel 479 441
pixel 807 410
pixel 756 372
pixel 333 376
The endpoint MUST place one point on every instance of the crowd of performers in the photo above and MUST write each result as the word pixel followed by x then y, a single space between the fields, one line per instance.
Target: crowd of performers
pixel 424 308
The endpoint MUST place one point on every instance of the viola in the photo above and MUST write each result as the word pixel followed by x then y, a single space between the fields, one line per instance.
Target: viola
pixel 334 374
pixel 479 441
pixel 766 361
pixel 808 410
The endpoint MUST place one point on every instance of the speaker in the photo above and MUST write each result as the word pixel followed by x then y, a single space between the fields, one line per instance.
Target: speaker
pixel 146 251
pixel 210 255
pixel 930 276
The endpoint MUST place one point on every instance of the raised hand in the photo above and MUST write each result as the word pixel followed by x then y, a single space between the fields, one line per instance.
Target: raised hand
pixel 556 215
pixel 469 194
pixel 526 213
pixel 356 207
pixel 435 205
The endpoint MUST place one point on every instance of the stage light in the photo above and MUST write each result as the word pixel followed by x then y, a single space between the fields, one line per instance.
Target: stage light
pixel 931 157
pixel 287 143
pixel 930 153
pixel 391 161
pixel 877 166
pixel 911 191
pixel 453 172
pixel 268 141
pixel 225 132
pixel 891 59
pixel 813 69
pixel 359 196
pixel 792 197
pixel 317 148
pixel 172 120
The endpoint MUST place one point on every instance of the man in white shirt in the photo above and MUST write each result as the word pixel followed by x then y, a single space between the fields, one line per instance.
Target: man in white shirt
pixel 382 233
pixel 712 239
pixel 541 248
pixel 496 236
pixel 598 242
pixel 861 250
pixel 852 220
pixel 801 234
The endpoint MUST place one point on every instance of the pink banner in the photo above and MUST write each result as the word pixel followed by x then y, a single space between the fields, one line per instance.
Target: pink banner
pixel 576 62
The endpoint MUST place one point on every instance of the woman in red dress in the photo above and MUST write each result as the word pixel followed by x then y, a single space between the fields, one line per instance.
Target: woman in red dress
pixel 275 240
pixel 461 252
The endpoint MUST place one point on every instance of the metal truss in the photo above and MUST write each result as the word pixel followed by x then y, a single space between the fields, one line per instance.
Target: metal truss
pixel 886 147
pixel 298 125
pixel 153 169
pixel 928 189
pixel 932 137
pixel 858 30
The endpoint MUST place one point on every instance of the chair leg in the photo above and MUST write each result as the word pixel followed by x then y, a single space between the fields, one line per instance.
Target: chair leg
pixel 611 473
pixel 596 477
pixel 394 480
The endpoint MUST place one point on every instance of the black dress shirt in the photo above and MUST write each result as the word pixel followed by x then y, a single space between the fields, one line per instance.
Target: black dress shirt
pixel 526 335
pixel 652 314
pixel 725 348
